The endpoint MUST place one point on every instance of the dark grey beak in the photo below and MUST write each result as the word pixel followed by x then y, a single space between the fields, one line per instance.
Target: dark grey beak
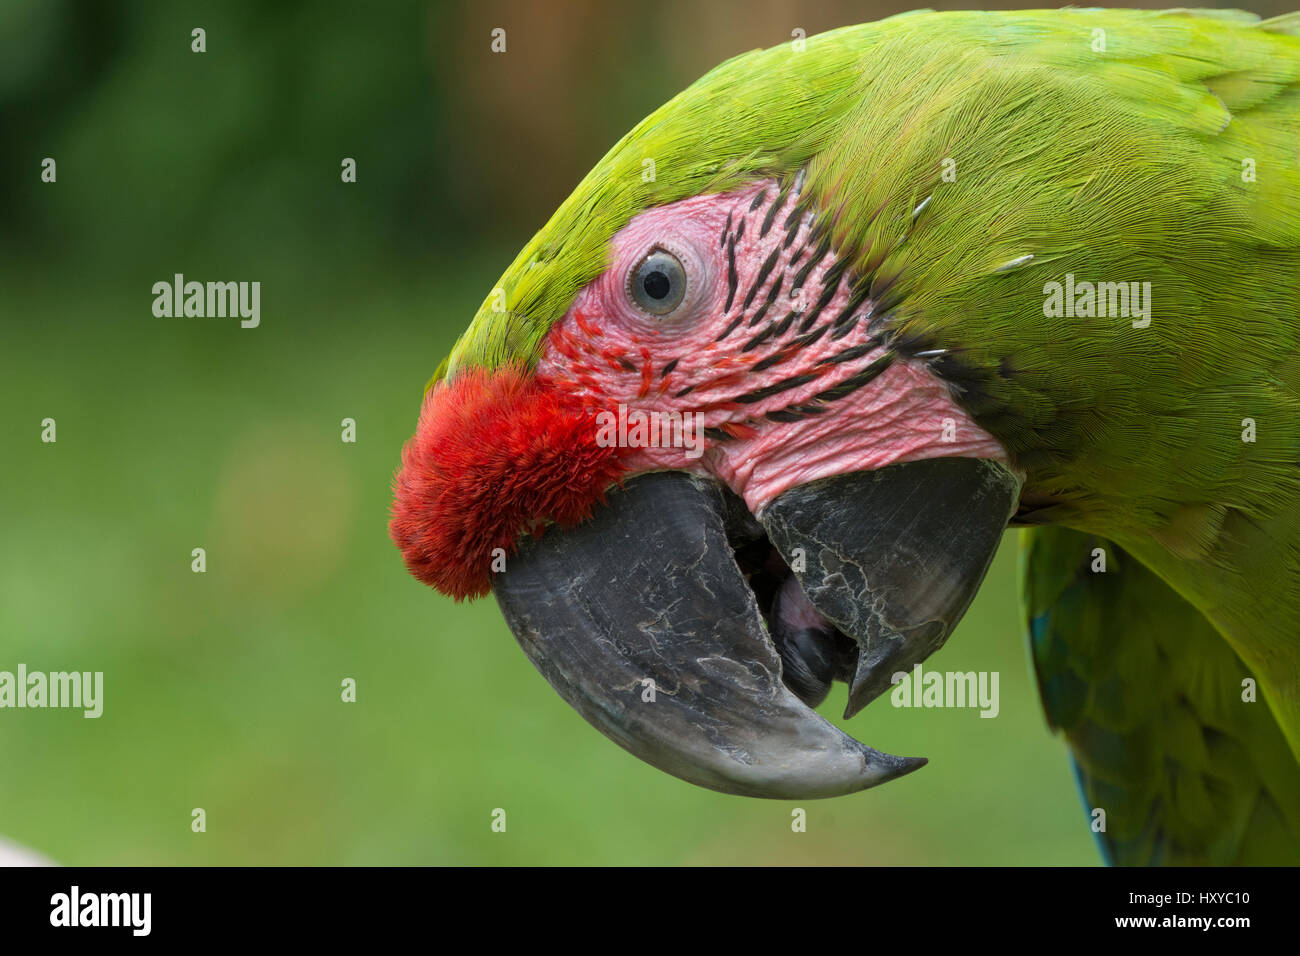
pixel 645 622
pixel 894 557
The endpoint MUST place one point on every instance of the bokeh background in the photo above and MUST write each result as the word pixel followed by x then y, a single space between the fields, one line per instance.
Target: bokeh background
pixel 222 689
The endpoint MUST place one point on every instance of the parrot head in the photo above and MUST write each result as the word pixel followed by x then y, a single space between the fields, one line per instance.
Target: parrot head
pixel 699 451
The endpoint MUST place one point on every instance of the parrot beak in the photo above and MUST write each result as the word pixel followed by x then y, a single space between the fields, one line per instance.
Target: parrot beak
pixel 655 619
pixel 894 557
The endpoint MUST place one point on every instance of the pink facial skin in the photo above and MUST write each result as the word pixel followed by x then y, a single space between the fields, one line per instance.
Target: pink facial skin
pixel 703 357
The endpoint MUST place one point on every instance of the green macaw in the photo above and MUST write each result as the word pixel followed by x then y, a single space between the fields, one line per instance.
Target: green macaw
pixel 750 414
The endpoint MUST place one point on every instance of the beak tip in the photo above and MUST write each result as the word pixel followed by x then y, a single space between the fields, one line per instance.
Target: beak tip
pixel 890 767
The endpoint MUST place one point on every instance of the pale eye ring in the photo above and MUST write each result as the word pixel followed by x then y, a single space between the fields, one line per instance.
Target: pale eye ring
pixel 658 283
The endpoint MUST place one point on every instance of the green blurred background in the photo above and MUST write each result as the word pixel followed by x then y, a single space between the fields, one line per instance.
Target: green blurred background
pixel 222 689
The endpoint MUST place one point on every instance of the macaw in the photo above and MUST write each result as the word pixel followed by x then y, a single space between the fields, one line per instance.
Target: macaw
pixel 752 411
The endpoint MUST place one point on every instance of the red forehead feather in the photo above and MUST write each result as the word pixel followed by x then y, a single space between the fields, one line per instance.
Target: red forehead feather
pixel 495 453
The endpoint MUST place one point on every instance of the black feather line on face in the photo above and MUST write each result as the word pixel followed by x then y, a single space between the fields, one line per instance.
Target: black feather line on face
pixel 722 243
pixel 668 369
pixel 784 325
pixel 767 391
pixel 845 328
pixel 762 365
pixel 764 271
pixel 818 231
pixel 760 338
pixel 855 382
pixel 829 289
pixel 767 303
pixel 731 328
pixel 809 409
pixel 849 354
pixel 732 279
pixel 856 299
pixel 792 221
pixel 801 276
pixel 777 203
pixel 806 340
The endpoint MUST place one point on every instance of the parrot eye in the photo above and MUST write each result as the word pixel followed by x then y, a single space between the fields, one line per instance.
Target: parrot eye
pixel 658 284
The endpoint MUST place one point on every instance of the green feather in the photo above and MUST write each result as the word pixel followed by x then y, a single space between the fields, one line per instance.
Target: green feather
pixel 875 100
pixel 760 114
pixel 1149 698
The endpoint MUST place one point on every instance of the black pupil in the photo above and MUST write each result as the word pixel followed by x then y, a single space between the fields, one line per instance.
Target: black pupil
pixel 656 285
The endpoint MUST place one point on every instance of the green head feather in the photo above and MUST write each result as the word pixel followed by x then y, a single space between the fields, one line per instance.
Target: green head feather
pixel 758 114
pixel 867 107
